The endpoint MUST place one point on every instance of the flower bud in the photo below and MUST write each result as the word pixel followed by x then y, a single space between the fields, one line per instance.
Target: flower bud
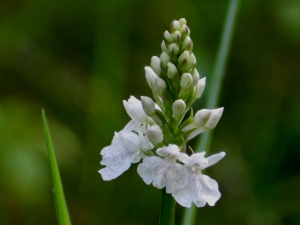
pixel 191 62
pixel 159 86
pixel 200 87
pixel 185 31
pixel 172 70
pixel 148 105
pixel 175 25
pixel 173 49
pixel 155 65
pixel 182 22
pixel 186 81
pixel 150 76
pixel 167 36
pixel 187 44
pixel 164 47
pixel 201 117
pixel 176 36
pixel 183 57
pixel 165 58
pixel 214 118
pixel 155 134
pixel 195 76
pixel 178 107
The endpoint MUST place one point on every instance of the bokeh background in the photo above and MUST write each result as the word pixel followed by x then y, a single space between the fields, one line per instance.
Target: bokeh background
pixel 79 59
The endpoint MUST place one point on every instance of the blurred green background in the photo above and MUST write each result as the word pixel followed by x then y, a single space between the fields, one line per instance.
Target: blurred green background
pixel 79 59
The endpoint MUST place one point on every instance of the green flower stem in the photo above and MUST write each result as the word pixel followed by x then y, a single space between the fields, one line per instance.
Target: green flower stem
pixel 214 89
pixel 167 209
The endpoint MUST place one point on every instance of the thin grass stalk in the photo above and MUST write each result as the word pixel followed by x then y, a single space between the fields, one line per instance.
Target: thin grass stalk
pixel 214 89
pixel 58 192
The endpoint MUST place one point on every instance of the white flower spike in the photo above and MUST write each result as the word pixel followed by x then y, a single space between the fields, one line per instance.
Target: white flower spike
pixel 159 125
pixel 200 189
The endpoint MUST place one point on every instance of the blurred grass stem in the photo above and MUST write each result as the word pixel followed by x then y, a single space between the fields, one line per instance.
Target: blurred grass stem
pixel 214 89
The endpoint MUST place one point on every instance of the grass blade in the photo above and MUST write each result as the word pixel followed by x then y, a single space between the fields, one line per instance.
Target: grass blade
pixel 59 198
pixel 214 89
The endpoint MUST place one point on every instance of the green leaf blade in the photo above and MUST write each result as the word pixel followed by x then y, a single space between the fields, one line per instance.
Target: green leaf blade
pixel 58 193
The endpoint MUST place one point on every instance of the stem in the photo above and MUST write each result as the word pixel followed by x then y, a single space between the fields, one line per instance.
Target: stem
pixel 167 209
pixel 214 89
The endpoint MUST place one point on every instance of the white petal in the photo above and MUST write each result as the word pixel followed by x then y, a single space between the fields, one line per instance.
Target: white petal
pixel 183 157
pixel 130 141
pixel 135 110
pixel 144 142
pixel 213 159
pixel 132 125
pixel 189 127
pixel 150 76
pixel 147 169
pixel 178 180
pixel 210 190
pixel 121 163
pixel 169 150
pixel 184 196
pixel 196 132
pixel 135 157
pixel 164 172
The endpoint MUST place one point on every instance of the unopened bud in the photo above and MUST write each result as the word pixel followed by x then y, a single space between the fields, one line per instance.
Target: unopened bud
pixel 178 107
pixel 183 57
pixel 182 22
pixel 187 44
pixel 155 65
pixel 165 58
pixel 200 87
pixel 195 76
pixel 173 49
pixel 155 134
pixel 201 117
pixel 159 86
pixel 148 105
pixel 168 37
pixel 172 70
pixel 214 118
pixel 185 31
pixel 175 25
pixel 176 36
pixel 164 47
pixel 186 81
pixel 150 76
pixel 191 63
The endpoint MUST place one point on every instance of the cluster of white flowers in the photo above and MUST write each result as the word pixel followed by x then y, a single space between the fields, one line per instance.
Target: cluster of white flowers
pixel 157 134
